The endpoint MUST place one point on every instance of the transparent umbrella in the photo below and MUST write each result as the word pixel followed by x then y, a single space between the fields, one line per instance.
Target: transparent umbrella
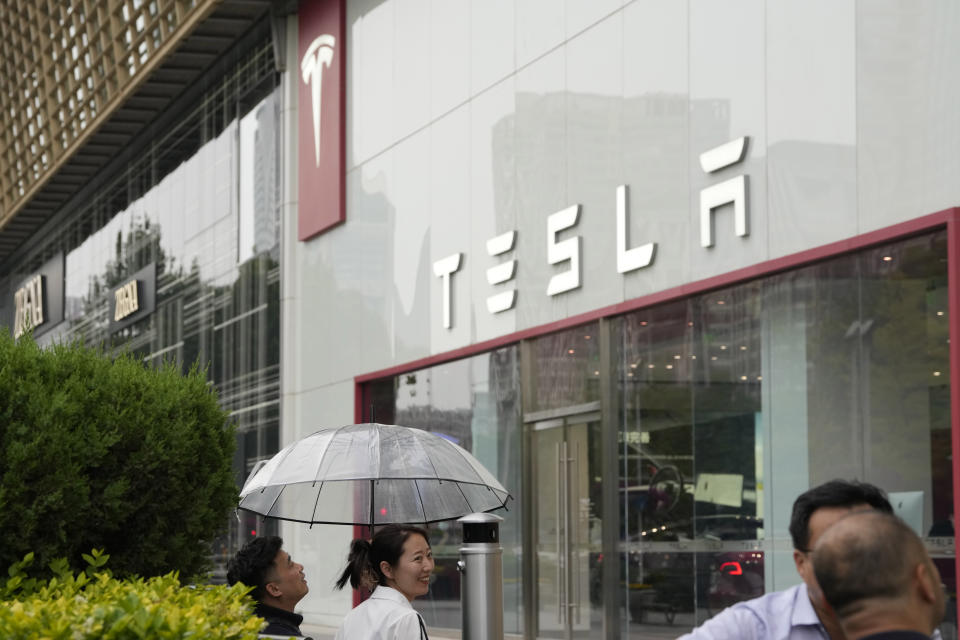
pixel 371 474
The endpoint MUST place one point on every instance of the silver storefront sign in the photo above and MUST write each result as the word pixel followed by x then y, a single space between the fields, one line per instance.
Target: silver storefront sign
pixel 28 306
pixel 566 253
pixel 36 303
pixel 134 299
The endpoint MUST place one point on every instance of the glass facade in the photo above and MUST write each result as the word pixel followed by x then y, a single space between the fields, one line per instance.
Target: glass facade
pixel 661 450
pixel 475 403
pixel 198 209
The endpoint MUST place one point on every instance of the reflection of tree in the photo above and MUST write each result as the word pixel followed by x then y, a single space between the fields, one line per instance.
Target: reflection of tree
pixel 133 250
pixel 452 422
pixel 140 247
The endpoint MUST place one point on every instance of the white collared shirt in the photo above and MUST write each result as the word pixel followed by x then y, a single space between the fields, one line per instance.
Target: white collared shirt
pixel 780 615
pixel 385 615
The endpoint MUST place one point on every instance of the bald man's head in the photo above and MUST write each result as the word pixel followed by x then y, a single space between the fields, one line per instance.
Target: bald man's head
pixel 870 562
pixel 866 555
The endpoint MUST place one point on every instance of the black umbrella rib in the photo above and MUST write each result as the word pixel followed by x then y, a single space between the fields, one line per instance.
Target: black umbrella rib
pixel 274 503
pixel 436 474
pixel 423 509
pixel 465 499
pixel 469 465
pixel 313 516
pixel 320 463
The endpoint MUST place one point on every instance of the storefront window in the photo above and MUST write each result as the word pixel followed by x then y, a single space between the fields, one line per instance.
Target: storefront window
pixel 735 401
pixel 564 431
pixel 474 403
pixel 567 371
pixel 662 450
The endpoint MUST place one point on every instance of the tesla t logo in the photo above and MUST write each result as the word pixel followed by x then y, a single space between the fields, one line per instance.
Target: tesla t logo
pixel 318 56
pixel 321 102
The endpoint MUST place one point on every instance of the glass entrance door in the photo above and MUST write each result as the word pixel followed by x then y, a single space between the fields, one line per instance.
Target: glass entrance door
pixel 567 525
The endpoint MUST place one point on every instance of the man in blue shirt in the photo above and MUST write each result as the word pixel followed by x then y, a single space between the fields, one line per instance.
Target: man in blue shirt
pixel 878 578
pixel 797 613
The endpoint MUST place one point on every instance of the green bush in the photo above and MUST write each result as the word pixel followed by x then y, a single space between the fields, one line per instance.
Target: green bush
pixel 93 604
pixel 97 452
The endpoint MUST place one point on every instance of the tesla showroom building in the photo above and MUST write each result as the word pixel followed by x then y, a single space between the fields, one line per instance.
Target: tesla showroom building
pixel 661 266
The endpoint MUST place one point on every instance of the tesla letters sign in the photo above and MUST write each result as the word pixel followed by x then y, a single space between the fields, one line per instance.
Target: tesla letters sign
pixel 28 306
pixel 321 107
pixel 565 254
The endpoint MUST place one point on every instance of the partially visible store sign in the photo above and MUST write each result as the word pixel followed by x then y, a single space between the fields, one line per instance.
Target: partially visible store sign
pixel 125 301
pixel 322 156
pixel 566 252
pixel 37 300
pixel 28 306
pixel 135 299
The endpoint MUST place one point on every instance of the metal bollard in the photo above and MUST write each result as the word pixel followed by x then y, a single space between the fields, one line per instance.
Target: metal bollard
pixel 481 577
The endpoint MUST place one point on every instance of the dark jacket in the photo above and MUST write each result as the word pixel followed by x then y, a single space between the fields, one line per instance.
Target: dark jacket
pixel 281 623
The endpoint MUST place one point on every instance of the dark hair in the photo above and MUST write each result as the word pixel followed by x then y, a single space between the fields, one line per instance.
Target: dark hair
pixel 836 493
pixel 252 562
pixel 865 555
pixel 365 556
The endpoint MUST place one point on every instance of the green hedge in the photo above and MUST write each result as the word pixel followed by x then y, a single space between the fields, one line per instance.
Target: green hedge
pixel 94 605
pixel 100 452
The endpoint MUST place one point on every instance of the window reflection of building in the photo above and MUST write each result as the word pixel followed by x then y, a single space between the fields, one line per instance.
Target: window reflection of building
pixel 265 179
pixel 171 208
pixel 472 402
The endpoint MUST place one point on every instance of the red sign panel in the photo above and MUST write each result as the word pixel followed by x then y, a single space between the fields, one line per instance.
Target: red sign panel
pixel 322 107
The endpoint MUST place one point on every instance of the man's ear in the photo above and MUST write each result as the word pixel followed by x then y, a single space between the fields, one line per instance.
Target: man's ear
pixel 272 589
pixel 927 582
pixel 799 559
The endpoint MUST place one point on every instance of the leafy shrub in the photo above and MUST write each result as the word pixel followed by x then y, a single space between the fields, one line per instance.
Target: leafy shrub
pixel 106 453
pixel 93 604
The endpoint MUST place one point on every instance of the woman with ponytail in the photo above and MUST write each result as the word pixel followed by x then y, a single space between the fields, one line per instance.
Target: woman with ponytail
pixel 396 564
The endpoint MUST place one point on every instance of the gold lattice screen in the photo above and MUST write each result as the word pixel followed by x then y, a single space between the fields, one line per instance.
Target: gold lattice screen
pixel 66 65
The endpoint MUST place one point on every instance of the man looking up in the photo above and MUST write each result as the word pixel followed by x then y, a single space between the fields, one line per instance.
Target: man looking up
pixel 797 613
pixel 876 574
pixel 278 583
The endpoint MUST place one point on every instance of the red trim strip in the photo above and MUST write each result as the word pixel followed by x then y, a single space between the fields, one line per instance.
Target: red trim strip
pixel 359 396
pixel 953 306
pixel 770 267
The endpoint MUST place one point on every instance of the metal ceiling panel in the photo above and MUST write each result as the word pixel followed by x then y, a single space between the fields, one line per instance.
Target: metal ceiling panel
pixel 219 33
